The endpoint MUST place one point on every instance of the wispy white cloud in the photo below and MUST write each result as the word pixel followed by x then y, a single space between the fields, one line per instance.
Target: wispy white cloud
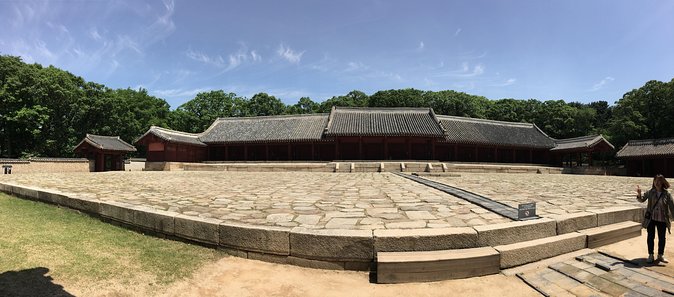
pixel 93 33
pixel 421 46
pixel 465 71
pixel 289 54
pixel 183 93
pixel 506 83
pixel 216 61
pixel 255 56
pixel 599 85
pixel 234 60
pixel 457 32
pixel 355 66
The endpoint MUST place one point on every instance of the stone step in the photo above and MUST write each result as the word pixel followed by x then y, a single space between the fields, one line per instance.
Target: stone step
pixel 602 280
pixel 612 233
pixel 403 267
pixel 552 283
pixel 520 253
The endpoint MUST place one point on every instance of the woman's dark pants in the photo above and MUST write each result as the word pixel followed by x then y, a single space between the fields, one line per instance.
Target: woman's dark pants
pixel 650 240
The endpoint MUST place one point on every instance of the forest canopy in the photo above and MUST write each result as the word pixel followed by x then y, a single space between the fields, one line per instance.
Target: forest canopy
pixel 46 111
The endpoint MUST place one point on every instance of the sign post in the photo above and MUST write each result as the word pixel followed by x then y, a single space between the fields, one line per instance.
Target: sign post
pixel 526 211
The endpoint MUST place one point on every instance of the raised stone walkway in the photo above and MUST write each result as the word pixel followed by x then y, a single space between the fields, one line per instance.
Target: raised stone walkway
pixel 338 220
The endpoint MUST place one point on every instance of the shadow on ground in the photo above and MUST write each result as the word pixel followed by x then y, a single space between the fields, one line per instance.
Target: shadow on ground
pixel 643 262
pixel 30 282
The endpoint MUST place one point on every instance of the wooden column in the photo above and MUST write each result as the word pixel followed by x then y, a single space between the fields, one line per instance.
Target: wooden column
pixel 245 152
pixel 266 152
pixel 100 162
pixel 531 156
pixel 475 157
pixel 409 148
pixel 514 155
pixel 433 156
pixel 589 158
pixel 386 156
pixel 496 154
pixel 313 152
pixel 289 153
pixel 337 156
pixel 360 147
pixel 456 152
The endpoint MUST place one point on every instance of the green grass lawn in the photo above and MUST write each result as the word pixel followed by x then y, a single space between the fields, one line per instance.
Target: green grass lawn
pixel 78 249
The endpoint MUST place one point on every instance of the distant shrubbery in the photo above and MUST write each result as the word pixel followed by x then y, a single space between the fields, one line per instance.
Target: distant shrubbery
pixel 45 111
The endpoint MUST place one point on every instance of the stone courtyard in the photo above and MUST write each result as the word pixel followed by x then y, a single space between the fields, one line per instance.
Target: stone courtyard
pixel 361 201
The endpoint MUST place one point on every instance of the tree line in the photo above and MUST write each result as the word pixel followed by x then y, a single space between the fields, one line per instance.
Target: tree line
pixel 46 111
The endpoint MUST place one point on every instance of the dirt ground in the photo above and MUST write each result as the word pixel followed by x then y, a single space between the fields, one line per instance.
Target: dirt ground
pixel 241 277
pixel 232 276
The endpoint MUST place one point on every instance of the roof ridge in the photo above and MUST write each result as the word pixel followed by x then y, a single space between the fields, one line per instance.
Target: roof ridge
pixel 398 108
pixel 175 131
pixel 272 116
pixel 468 119
pixel 667 139
pixel 588 137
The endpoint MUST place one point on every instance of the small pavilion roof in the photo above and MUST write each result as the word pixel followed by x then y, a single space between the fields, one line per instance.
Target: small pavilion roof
pixel 583 143
pixel 173 136
pixel 107 143
pixel 663 147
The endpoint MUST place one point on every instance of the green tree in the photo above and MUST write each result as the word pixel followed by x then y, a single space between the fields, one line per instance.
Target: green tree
pixel 263 104
pixel 303 106
pixel 354 98
pixel 199 113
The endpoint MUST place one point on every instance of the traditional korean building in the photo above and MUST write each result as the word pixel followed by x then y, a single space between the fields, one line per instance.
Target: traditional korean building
pixel 169 145
pixel 107 152
pixel 648 157
pixel 349 133
pixel 570 151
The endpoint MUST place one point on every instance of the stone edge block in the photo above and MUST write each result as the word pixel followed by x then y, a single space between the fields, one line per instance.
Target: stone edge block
pixel 573 222
pixel 155 220
pixel 400 240
pixel 619 214
pixel 51 197
pixel 263 239
pixel 206 230
pixel 512 232
pixel 317 264
pixel 117 211
pixel 81 204
pixel 535 250
pixel 332 244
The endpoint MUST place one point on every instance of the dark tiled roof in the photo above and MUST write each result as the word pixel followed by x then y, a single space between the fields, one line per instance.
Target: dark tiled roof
pixel 488 132
pixel 108 143
pixel 647 148
pixel 579 143
pixel 352 121
pixel 266 129
pixel 174 136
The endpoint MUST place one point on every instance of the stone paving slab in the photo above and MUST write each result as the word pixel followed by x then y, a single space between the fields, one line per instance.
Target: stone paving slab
pixel 311 200
pixel 554 194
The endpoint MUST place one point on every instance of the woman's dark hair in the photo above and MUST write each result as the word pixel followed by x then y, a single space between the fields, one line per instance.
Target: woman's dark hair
pixel 663 181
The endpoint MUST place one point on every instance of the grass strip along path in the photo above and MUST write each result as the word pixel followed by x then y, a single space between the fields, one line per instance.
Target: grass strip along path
pixel 44 247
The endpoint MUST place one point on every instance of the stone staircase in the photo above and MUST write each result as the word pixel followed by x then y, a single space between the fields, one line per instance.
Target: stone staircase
pixel 419 266
pixel 598 274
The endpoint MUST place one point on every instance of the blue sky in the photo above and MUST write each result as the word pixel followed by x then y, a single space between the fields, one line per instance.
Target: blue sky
pixel 573 50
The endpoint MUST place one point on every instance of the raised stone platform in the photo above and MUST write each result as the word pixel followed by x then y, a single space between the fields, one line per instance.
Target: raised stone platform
pixel 319 220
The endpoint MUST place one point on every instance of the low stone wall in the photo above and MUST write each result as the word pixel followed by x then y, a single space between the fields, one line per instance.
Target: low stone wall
pixel 335 248
pixel 349 167
pixel 45 165
pixel 595 170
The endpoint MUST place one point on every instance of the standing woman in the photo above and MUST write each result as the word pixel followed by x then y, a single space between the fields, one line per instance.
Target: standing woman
pixel 659 210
